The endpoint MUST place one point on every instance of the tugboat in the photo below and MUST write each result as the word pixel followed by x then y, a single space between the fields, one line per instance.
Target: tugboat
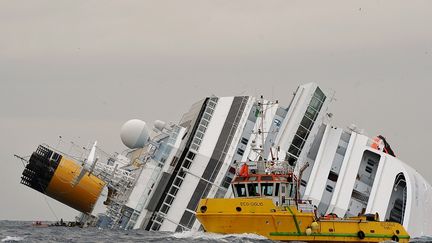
pixel 266 202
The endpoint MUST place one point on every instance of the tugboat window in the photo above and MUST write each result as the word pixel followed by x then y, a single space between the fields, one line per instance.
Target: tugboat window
pixel 290 190
pixel 253 189
pixel 267 189
pixel 241 190
pixel 277 190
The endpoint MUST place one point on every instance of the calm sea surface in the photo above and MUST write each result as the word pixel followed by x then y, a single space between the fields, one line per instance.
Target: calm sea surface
pixel 20 231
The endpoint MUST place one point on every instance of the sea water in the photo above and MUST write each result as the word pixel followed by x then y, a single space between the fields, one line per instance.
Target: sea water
pixel 22 231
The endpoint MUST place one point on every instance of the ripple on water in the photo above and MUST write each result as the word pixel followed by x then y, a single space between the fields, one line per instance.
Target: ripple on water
pixel 21 231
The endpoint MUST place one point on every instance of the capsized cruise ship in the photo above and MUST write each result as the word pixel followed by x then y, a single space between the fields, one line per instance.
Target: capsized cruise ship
pixel 158 182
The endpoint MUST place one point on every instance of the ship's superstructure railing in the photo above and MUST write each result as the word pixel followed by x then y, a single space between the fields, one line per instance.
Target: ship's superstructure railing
pixel 274 167
pixel 123 186
pixel 156 174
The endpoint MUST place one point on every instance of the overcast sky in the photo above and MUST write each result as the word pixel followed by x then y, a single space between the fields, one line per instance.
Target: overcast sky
pixel 80 69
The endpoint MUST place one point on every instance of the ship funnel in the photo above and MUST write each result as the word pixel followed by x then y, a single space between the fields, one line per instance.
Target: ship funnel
pixel 134 134
pixel 56 176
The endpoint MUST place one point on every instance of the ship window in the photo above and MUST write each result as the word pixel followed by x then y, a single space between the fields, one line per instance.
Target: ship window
pixel 298 141
pixel 200 134
pixel 315 103
pixel 241 190
pixel 319 94
pixel 207 116
pixel 194 147
pixel 368 169
pixel 253 189
pixel 187 163
pixel 169 199
pixel 209 110
pixel 197 141
pixel 201 128
pixel 156 227
pixel 266 178
pixel 267 189
pixel 371 162
pixel 306 122
pixel 164 208
pixel 211 104
pixel 277 189
pixel 240 151
pixel 329 188
pixel 293 150
pixel 204 122
pixel 227 182
pixel 178 181
pixel 333 176
pixel 302 132
pixel 191 155
pixel 182 173
pixel 232 170
pixel 303 183
pixel 283 189
pixel 311 113
pixel 252 178
pixel 244 141
pixel 173 191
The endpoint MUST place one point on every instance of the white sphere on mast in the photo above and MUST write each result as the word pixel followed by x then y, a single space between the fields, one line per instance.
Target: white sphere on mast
pixel 159 125
pixel 134 134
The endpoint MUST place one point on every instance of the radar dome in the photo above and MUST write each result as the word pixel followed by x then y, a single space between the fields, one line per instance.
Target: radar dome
pixel 134 134
pixel 159 125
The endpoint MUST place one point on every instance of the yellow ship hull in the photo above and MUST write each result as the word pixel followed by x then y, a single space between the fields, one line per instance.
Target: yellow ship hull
pixel 262 217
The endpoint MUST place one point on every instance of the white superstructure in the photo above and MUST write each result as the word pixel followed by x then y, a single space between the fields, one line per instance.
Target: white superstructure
pixel 348 173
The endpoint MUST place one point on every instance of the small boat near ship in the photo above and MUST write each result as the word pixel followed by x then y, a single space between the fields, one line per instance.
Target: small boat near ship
pixel 40 224
pixel 268 204
pixel 61 223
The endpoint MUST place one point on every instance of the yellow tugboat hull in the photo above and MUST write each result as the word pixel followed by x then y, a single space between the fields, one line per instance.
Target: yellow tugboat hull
pixel 261 216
